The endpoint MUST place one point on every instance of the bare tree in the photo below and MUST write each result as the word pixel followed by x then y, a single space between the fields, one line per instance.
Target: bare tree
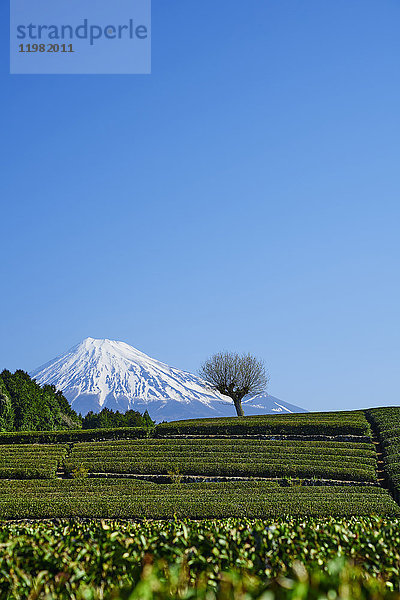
pixel 235 375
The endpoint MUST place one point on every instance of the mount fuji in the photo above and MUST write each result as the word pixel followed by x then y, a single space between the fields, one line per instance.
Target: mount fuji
pixel 104 373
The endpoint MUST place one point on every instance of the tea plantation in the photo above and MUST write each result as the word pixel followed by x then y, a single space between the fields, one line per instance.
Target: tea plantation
pixel 293 506
pixel 319 464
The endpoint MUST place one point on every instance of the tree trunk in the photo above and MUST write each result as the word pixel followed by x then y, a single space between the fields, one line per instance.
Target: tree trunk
pixel 239 408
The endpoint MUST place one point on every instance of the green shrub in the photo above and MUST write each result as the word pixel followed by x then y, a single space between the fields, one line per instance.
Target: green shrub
pixel 233 559
pixel 175 475
pixel 80 473
pixel 350 423
pixel 349 461
pixel 79 435
pixel 133 499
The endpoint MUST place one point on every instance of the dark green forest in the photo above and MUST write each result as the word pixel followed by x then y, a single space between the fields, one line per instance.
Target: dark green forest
pixel 27 406
pixel 109 418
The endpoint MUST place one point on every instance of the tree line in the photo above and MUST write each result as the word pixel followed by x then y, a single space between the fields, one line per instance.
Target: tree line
pixel 110 418
pixel 27 406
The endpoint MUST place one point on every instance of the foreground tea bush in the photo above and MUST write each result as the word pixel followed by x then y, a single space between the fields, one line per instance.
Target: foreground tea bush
pixel 342 581
pixel 210 559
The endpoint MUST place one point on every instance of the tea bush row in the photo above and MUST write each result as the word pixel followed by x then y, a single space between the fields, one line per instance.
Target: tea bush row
pixel 30 462
pixel 387 422
pixel 129 499
pixel 331 424
pixel 351 423
pixel 242 444
pixel 263 458
pixel 224 467
pixel 79 435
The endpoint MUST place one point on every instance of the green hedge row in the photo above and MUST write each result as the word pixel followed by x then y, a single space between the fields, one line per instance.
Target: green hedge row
pixel 212 444
pixel 330 424
pixel 132 499
pixel 352 423
pixel 263 458
pixel 231 469
pixel 43 471
pixel 387 422
pixel 33 450
pixel 31 462
pixel 79 435
pixel 222 455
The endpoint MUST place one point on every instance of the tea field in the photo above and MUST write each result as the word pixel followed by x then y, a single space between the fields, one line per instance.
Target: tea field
pixel 133 499
pixel 229 457
pixel 235 558
pixel 292 506
pixel 318 464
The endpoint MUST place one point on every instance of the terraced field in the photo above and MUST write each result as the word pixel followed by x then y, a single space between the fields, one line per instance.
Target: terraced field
pixel 276 490
pixel 33 461
pixel 223 457
pixel 132 499
pixel 386 422
pixel 309 464
pixel 329 424
pixel 79 435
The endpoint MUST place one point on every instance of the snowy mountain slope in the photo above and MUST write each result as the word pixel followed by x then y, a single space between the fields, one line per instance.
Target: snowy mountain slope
pixel 264 403
pixel 104 373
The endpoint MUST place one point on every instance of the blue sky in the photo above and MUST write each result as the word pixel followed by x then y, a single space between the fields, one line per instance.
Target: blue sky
pixel 245 196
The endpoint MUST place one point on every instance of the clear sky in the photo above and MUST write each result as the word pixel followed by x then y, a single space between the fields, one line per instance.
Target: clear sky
pixel 245 196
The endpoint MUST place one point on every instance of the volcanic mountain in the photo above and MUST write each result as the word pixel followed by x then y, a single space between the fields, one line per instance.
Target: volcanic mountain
pixel 104 373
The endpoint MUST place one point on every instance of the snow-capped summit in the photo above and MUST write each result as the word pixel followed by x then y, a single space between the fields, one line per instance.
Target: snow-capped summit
pixel 104 373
